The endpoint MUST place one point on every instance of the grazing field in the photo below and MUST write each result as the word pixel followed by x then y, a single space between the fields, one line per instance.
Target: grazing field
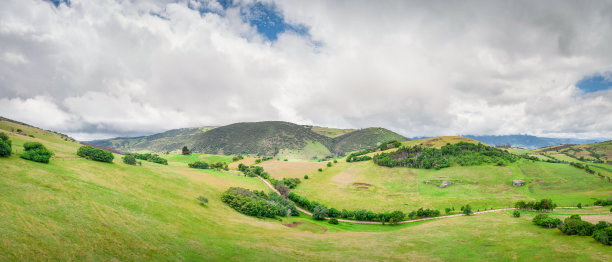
pixel 485 186
pixel 77 209
pixel 280 169
pixel 439 141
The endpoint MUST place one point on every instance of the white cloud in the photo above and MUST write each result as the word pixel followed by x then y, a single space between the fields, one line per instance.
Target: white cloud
pixel 429 68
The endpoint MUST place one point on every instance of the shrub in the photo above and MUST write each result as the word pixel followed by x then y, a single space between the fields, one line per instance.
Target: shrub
pixel 96 154
pixel 447 210
pixel 319 212
pixel 603 235
pixel 36 152
pixel 291 182
pixel 467 210
pixel 516 213
pixel 151 158
pixel 332 212
pixel 329 164
pixel 236 158
pixel 5 145
pixel 282 189
pixel 335 161
pixel 257 203
pixel 199 165
pixel 203 200
pixel 579 205
pixel 129 159
pixel 186 151
pixel 305 176
pixel 320 169
pixel 574 225
pixel 333 221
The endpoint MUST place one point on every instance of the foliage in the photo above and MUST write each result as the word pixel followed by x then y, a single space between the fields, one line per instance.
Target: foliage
pixel 467 210
pixel 186 151
pixel 320 169
pixel 282 189
pixel 257 203
pixel 291 182
pixel 237 158
pixel 5 145
pixel 542 205
pixel 602 202
pixel 462 153
pixel 574 225
pixel 544 220
pixel 203 200
pixel 333 221
pixel 319 212
pixel 583 166
pixel 199 165
pixel 37 152
pixel 151 158
pixel 603 235
pixel 253 171
pixel 95 154
pixel 129 159
pixel 305 176
pixel 516 213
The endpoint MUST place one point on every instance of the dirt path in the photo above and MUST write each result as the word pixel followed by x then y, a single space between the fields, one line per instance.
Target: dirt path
pixel 380 223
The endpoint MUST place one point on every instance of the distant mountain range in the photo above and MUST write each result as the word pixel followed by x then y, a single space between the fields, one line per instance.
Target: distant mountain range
pixel 270 138
pixel 530 142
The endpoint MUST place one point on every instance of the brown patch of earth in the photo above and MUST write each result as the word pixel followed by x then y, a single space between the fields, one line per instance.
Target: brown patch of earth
pixel 362 185
pixel 294 224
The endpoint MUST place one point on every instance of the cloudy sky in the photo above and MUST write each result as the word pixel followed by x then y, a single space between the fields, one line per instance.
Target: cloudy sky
pixel 105 68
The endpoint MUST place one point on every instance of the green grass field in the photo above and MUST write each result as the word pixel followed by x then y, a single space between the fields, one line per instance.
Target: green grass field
pixel 76 209
pixel 482 187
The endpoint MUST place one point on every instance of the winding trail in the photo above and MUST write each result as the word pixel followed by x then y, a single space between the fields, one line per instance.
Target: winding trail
pixel 402 222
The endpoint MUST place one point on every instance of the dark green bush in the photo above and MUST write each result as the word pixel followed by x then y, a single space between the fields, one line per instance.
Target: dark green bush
pixel 333 221
pixel 516 213
pixel 305 176
pixel 95 154
pixel 257 203
pixel 574 225
pixel 603 235
pixel 5 145
pixel 36 152
pixel 198 165
pixel 203 200
pixel 129 159
pixel 319 212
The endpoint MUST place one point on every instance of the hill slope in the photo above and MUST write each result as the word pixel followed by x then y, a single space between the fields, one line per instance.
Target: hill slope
pixel 364 138
pixel 166 141
pixel 76 209
pixel 269 138
pixel 261 138
pixel 595 152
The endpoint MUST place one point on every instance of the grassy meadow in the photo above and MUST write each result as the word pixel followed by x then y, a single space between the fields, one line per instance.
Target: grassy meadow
pixel 76 209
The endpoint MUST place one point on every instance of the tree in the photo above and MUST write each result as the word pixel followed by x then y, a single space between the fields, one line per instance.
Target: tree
pixel 335 161
pixel 129 159
pixel 603 235
pixel 467 210
pixel 199 165
pixel 333 221
pixel 5 145
pixel 329 164
pixel 516 213
pixel 579 205
pixel 282 189
pixel 96 154
pixel 447 210
pixel 397 216
pixel 332 212
pixel 186 151
pixel 305 176
pixel 319 212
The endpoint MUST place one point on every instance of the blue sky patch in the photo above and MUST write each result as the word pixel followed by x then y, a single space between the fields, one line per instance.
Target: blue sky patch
pixel 594 83
pixel 57 3
pixel 266 17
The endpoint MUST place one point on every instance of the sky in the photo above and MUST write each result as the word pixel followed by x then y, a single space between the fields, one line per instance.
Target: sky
pixel 106 68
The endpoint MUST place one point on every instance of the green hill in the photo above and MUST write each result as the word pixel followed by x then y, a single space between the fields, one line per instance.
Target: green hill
pixel 77 209
pixel 271 138
pixel 595 152
pixel 364 138
pixel 167 141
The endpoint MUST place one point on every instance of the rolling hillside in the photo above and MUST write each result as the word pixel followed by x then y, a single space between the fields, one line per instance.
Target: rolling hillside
pixel 364 138
pixel 77 209
pixel 162 142
pixel 271 138
pixel 595 152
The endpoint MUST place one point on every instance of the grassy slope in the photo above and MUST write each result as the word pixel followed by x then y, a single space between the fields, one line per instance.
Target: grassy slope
pixel 163 142
pixel 439 141
pixel 405 188
pixel 364 138
pixel 329 132
pixel 74 209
